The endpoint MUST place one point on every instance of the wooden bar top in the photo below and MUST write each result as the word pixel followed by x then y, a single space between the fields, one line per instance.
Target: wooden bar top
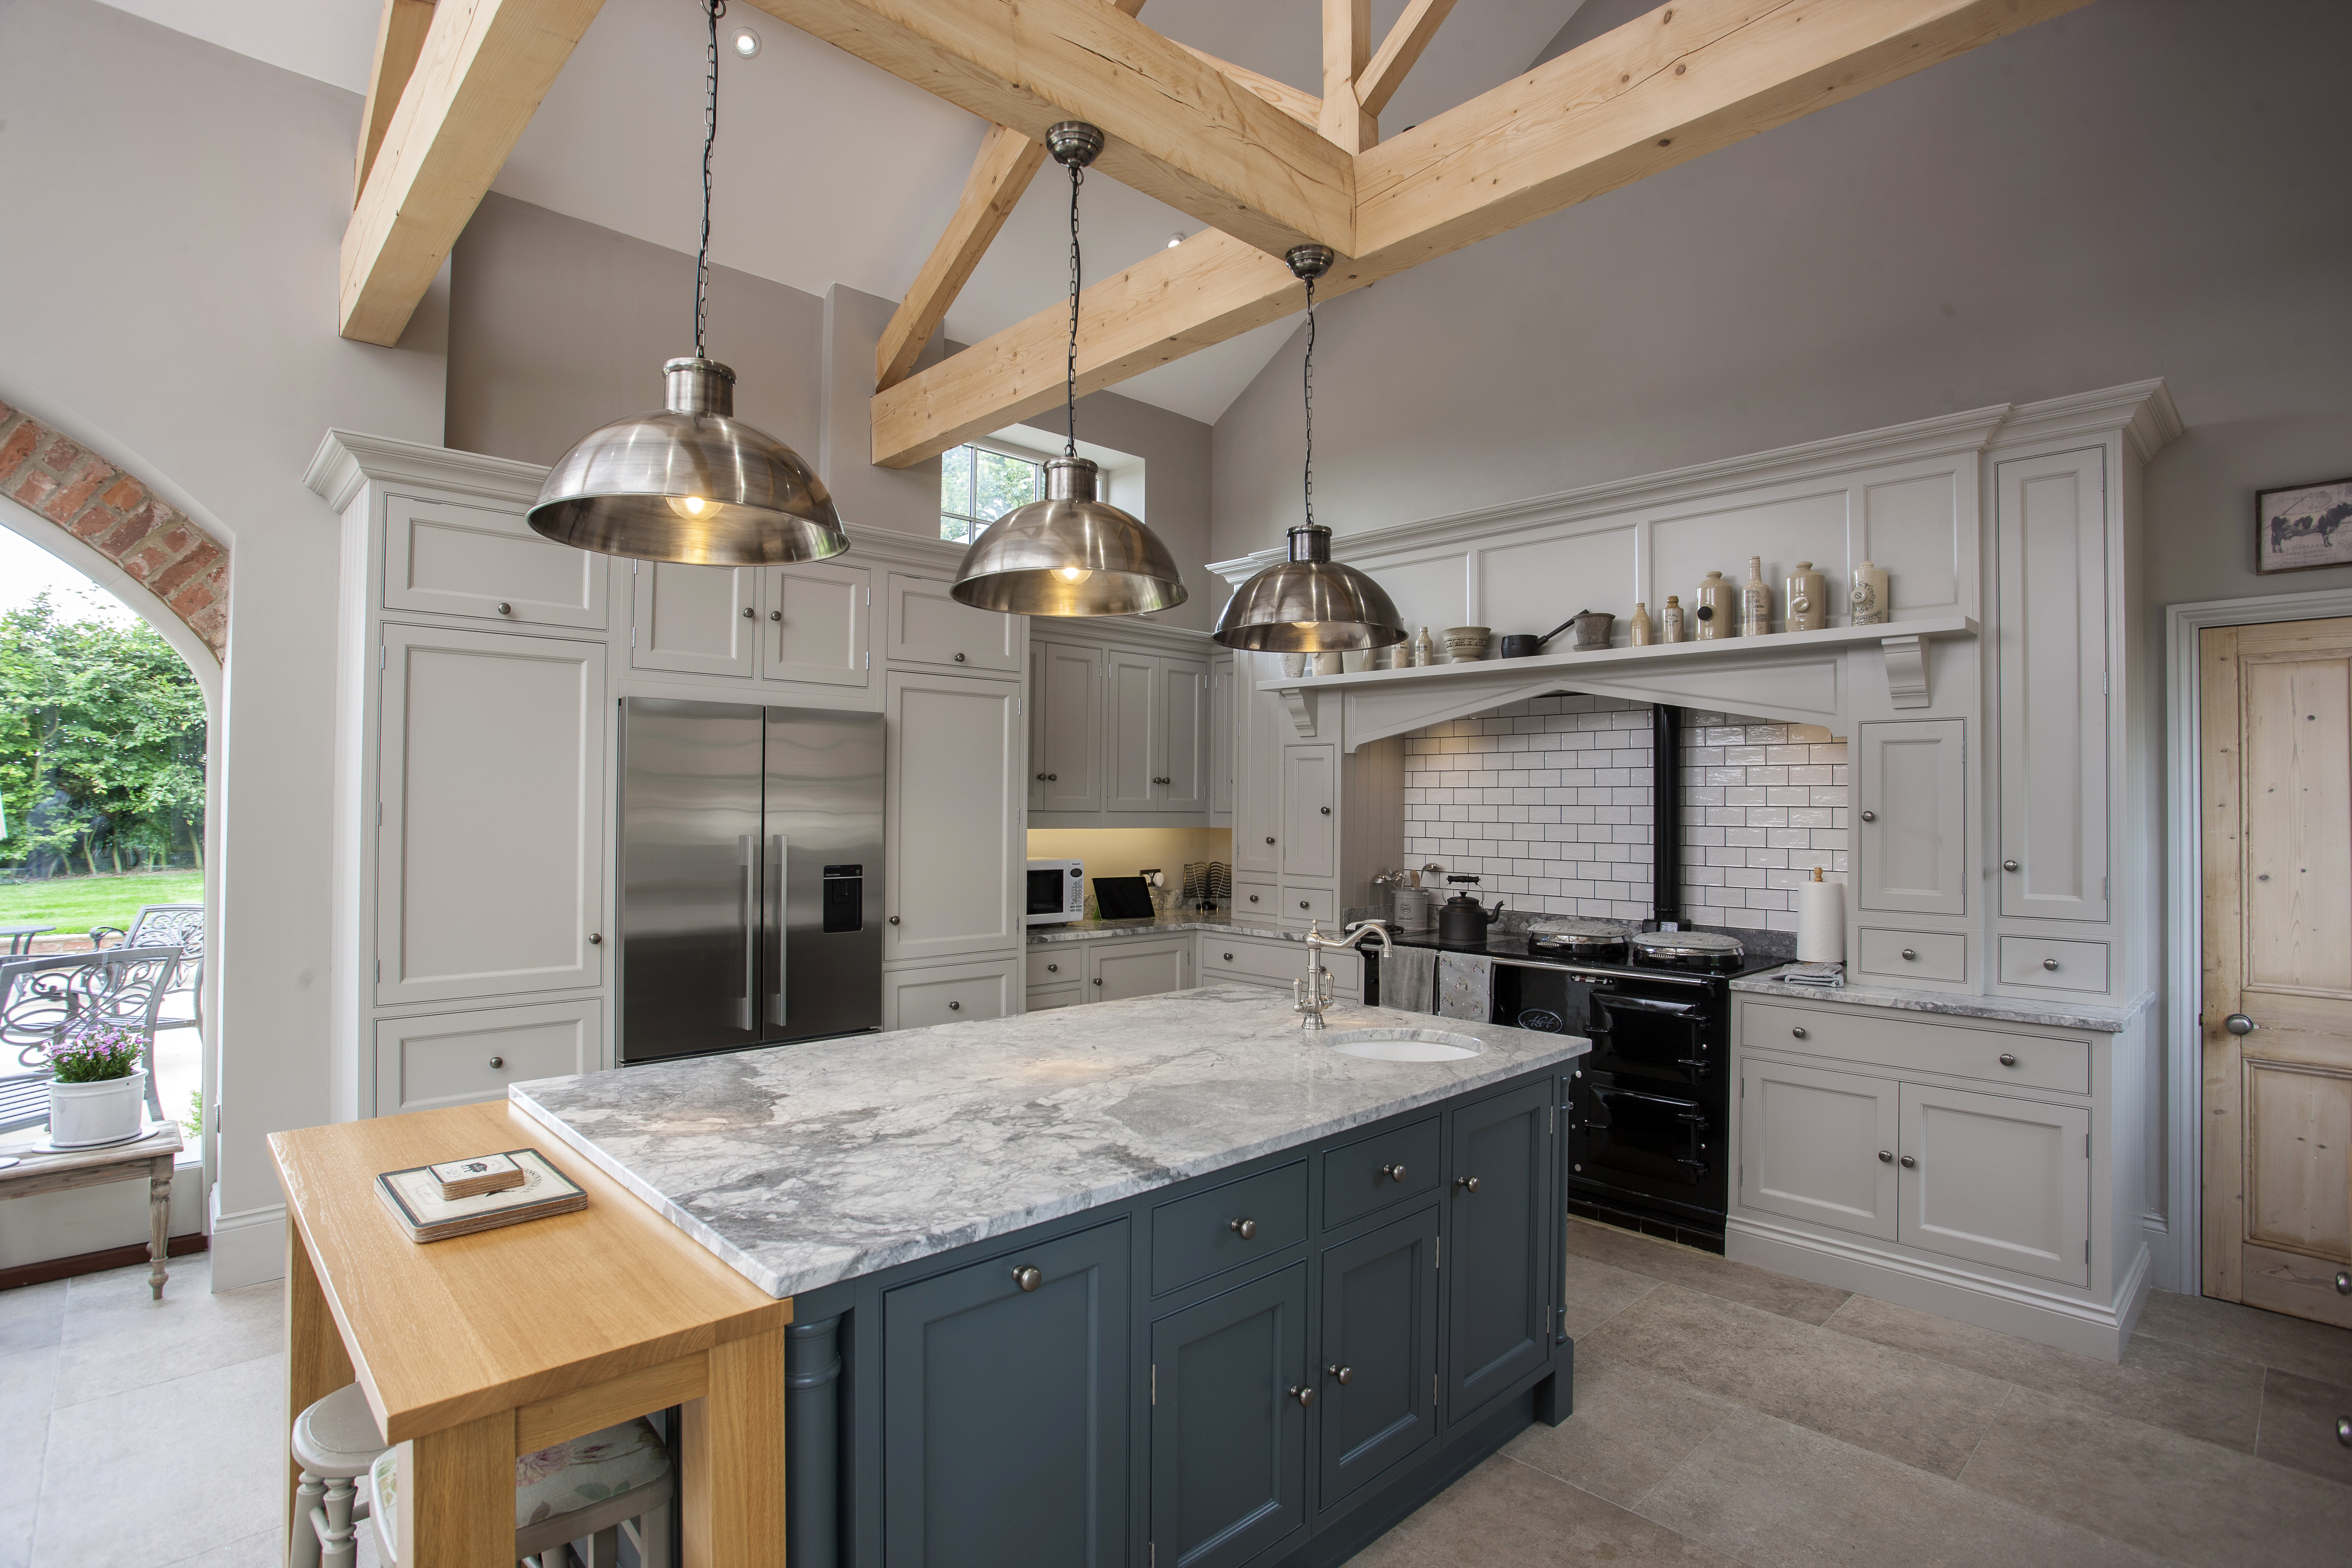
pixel 448 1331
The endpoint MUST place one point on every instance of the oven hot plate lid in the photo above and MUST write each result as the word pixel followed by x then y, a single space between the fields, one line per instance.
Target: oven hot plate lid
pixel 1686 944
pixel 1566 934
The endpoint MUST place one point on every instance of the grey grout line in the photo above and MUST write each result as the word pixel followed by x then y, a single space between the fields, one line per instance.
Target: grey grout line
pixel 2008 1389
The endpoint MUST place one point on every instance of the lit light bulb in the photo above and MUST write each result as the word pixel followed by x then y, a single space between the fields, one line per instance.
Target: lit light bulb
pixel 1176 240
pixel 1072 574
pixel 747 43
pixel 687 506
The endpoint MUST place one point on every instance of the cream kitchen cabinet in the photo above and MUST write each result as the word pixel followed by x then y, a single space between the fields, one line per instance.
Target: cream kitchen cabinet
pixel 454 1058
pixel 1818 1145
pixel 954 841
pixel 804 623
pixel 490 816
pixel 451 558
pixel 1911 817
pixel 921 997
pixel 1258 726
pixel 1158 758
pixel 1222 738
pixel 1065 728
pixel 1144 967
pixel 927 627
pixel 813 624
pixel 1310 795
pixel 1119 731
pixel 1273 962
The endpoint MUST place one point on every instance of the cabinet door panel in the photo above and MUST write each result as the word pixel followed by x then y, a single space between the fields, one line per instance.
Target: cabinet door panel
pixel 1999 1181
pixel 1228 1438
pixel 2052 644
pixel 1915 796
pixel 956 867
pixel 929 627
pixel 453 559
pixel 814 623
pixel 1220 737
pixel 695 618
pixel 1118 971
pixel 1380 1324
pixel 1130 723
pixel 1005 1411
pixel 1183 759
pixel 1065 741
pixel 1496 1295
pixel 1257 779
pixel 1810 1142
pixel 1310 796
pixel 480 891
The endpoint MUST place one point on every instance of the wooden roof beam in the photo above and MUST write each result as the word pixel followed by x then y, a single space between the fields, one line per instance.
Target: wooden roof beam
pixel 1177 129
pixel 1303 107
pixel 1347 49
pixel 483 69
pixel 1398 52
pixel 1655 92
pixel 399 40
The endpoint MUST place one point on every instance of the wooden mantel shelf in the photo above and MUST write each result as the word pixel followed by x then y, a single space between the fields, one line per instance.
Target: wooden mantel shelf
pixel 1800 677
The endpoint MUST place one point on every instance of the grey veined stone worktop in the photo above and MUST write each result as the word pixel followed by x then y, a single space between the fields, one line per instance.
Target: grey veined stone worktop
pixel 804 1164
pixel 1102 930
pixel 2054 1014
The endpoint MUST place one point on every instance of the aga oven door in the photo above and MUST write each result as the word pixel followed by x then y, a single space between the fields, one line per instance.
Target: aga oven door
pixel 1641 1140
pixel 1661 1038
pixel 1541 997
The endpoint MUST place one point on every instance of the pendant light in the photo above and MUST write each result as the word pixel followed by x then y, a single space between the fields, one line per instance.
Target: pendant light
pixel 690 482
pixel 1310 603
pixel 1071 553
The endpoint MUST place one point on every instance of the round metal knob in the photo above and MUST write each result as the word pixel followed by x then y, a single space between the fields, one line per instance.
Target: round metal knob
pixel 2009 1059
pixel 1886 1156
pixel 1325 810
pixel 596 939
pixel 1909 1163
pixel 1467 1184
pixel 1164 781
pixel 955 1006
pixel 775 615
pixel 2343 1282
pixel 1303 905
pixel 2344 1430
pixel 498 1061
pixel 1253 898
pixel 1393 1173
pixel 1027 1276
pixel 1342 1375
pixel 2008 865
pixel 1269 841
pixel 1244 1228
pixel 894 920
pixel 2239 1023
pixel 1099 979
pixel 1870 816
pixel 1053 969
pixel 958 659
pixel 1909 952
pixel 1303 1395
pixel 1799 1032
pixel 1229 958
pixel 505 608
pixel 749 613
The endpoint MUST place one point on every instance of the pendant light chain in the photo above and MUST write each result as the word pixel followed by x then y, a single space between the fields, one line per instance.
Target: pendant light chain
pixel 1070 381
pixel 1308 383
pixel 713 10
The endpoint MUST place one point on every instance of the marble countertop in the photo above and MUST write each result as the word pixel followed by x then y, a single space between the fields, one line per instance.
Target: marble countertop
pixel 1096 930
pixel 801 1165
pixel 2007 1009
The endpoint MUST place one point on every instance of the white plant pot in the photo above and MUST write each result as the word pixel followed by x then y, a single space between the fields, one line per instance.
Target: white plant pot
pixel 84 1114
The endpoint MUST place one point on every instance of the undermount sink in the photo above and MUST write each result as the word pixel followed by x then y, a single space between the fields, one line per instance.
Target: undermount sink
pixel 1405 1045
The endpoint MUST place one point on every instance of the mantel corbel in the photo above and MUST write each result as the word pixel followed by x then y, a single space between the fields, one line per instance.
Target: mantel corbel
pixel 1300 705
pixel 1907 670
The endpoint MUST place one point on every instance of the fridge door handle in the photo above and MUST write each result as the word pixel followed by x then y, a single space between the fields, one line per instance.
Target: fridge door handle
pixel 784 909
pixel 747 855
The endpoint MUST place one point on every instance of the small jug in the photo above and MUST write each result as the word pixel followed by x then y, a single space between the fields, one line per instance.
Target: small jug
pixel 1717 603
pixel 1869 594
pixel 1637 625
pixel 1809 602
pixel 1673 623
pixel 1755 602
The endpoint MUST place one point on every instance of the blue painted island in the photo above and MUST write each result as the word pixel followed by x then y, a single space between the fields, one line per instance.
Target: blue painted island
pixel 1164 1281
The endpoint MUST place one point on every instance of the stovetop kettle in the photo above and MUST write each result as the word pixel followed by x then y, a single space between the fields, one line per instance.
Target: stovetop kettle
pixel 1463 922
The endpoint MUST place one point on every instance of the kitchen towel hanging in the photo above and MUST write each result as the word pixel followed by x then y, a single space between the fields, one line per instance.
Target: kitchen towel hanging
pixel 1409 979
pixel 1465 986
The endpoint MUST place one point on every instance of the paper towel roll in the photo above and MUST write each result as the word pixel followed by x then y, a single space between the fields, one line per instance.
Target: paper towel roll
pixel 1821 922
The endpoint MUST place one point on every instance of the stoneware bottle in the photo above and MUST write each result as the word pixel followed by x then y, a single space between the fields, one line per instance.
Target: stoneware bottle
pixel 1424 651
pixel 1808 599
pixel 1719 601
pixel 1755 600
pixel 1674 625
pixel 1869 594
pixel 1637 625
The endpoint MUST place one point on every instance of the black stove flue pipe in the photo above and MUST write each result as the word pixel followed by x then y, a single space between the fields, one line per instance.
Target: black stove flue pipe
pixel 1666 817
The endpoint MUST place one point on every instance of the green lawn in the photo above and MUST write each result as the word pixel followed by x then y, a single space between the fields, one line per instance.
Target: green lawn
pixel 74 904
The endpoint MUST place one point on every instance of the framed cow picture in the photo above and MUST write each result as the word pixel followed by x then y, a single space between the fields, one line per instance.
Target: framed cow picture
pixel 2303 526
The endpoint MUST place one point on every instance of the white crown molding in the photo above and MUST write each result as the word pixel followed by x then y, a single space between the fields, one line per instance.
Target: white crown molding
pixel 1123 631
pixel 2143 410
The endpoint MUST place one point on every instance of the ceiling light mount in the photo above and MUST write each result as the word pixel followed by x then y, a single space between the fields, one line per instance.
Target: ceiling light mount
pixel 1308 262
pixel 1074 144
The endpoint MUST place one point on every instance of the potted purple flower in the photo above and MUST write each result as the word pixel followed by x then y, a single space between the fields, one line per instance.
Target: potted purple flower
pixel 96 1096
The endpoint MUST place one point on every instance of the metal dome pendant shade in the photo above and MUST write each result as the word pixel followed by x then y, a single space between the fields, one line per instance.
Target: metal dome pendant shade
pixel 1310 603
pixel 690 482
pixel 1071 553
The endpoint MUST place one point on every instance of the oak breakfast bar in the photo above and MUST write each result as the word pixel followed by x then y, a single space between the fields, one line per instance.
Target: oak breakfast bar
pixel 1164 1280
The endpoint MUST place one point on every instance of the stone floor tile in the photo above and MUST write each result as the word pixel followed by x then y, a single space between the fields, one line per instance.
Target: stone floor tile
pixel 118 1337
pixel 1780 1294
pixel 2193 1501
pixel 2291 1344
pixel 126 1481
pixel 1775 1495
pixel 1908 1407
pixel 28 1382
pixel 2202 1393
pixel 1504 1515
pixel 2299 1416
pixel 261 1551
pixel 1598 1291
pixel 16 1536
pixel 1631 1426
pixel 31 1316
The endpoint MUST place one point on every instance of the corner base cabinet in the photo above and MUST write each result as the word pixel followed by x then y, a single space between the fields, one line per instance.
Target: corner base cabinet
pixel 1273 1362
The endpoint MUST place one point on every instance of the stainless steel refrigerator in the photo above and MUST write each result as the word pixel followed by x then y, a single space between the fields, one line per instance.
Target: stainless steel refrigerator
pixel 750 837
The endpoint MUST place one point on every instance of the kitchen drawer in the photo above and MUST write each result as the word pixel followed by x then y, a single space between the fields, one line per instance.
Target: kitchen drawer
pixel 1914 954
pixel 927 626
pixel 1370 1174
pixel 1257 903
pixel 1044 999
pixel 453 559
pixel 1891 1041
pixel 456 1059
pixel 952 993
pixel 2059 966
pixel 1056 964
pixel 1194 1238
pixel 1274 962
pixel 1299 904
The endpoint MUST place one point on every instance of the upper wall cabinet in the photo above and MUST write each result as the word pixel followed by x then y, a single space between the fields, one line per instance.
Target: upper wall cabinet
pixel 1065 739
pixel 703 620
pixel 953 841
pixel 1158 751
pixel 812 620
pixel 1222 738
pixel 929 627
pixel 2049 545
pixel 1258 728
pixel 1912 814
pixel 447 558
pixel 1119 729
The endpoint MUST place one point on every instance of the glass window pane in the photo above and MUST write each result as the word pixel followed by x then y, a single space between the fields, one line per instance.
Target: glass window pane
pixel 955 480
pixel 955 529
pixel 1001 483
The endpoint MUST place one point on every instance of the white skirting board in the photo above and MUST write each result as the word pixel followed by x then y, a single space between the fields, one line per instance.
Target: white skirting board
pixel 248 1246
pixel 2000 1305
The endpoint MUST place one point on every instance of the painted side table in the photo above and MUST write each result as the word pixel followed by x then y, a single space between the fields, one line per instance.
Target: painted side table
pixel 38 1171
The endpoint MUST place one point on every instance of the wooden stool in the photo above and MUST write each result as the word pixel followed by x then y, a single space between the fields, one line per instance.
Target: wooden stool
pixel 335 1441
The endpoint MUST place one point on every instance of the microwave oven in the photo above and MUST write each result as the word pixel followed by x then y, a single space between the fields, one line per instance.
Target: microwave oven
pixel 1058 891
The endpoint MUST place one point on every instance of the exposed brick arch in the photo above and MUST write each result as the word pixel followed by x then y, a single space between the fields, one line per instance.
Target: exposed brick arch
pixel 116 514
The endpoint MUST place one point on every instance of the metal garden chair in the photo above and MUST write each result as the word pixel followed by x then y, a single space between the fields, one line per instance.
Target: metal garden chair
pixel 39 996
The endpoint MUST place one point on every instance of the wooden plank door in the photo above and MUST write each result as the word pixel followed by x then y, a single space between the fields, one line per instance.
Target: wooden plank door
pixel 2276 748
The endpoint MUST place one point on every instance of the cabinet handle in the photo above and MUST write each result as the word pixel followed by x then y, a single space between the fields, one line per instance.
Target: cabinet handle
pixel 1098 980
pixel 498 1061
pixel 2048 963
pixel 1798 1032
pixel 1467 1184
pixel 1303 905
pixel 1393 1173
pixel 1886 1156
pixel 1229 958
pixel 1164 781
pixel 894 920
pixel 1269 841
pixel 1244 1228
pixel 1910 953
pixel 1870 816
pixel 775 615
pixel 1908 1164
pixel 1303 1395
pixel 2009 1059
pixel 1027 1276
pixel 749 613
pixel 2008 865
pixel 1053 969
pixel 1253 898
pixel 596 939
pixel 1342 1375
pixel 1325 810
pixel 958 659
pixel 505 608
pixel 2343 1282
pixel 2239 1023
pixel 955 1006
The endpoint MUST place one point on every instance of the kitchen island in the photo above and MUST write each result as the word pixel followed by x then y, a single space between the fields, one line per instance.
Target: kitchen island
pixel 1083 1287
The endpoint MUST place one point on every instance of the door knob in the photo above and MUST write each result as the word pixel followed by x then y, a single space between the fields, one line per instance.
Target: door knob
pixel 1393 1173
pixel 2009 1059
pixel 596 939
pixel 1325 810
pixel 775 615
pixel 1253 898
pixel 958 659
pixel 2343 1282
pixel 1910 953
pixel 894 920
pixel 955 1006
pixel 498 1061
pixel 1467 1184
pixel 1244 1228
pixel 1053 969
pixel 1303 905
pixel 1886 1156
pixel 1027 1276
pixel 2344 1430
pixel 2239 1023
pixel 1303 1395
pixel 1870 816
pixel 1229 958
pixel 1909 1163
pixel 1269 841
pixel 2008 865
pixel 2048 963
pixel 1342 1375
pixel 1798 1032
pixel 1098 980
pixel 749 613
pixel 505 608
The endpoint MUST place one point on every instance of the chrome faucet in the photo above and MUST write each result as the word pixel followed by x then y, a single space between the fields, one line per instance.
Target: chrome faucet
pixel 1311 997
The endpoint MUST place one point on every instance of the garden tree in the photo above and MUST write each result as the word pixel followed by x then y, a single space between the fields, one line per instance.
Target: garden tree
pixel 101 742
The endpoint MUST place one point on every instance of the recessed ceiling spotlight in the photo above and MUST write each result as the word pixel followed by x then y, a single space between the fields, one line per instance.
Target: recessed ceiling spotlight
pixel 747 43
pixel 1176 240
